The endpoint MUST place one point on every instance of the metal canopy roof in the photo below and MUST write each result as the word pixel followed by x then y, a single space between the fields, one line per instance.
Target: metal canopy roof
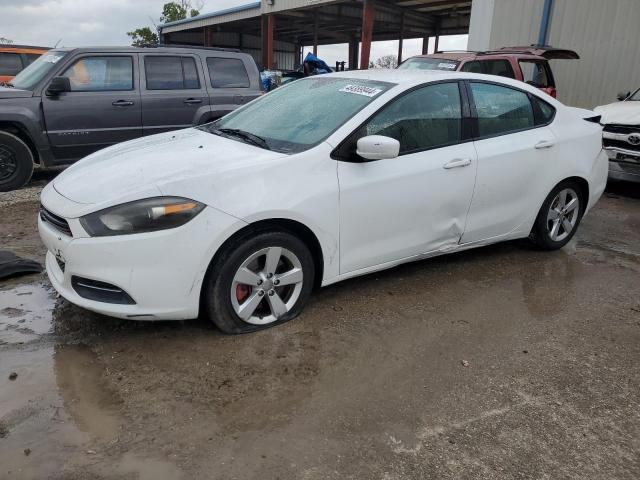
pixel 337 21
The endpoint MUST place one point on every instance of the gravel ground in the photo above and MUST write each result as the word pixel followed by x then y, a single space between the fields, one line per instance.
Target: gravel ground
pixel 501 362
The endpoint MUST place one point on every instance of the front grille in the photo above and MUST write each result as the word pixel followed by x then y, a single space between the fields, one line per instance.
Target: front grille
pixel 55 221
pixel 611 143
pixel 625 129
pixel 100 291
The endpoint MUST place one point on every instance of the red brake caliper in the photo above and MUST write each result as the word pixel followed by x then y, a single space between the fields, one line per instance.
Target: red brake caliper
pixel 242 292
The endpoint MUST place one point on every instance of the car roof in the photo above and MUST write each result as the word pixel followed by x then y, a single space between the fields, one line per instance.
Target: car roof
pixel 410 78
pixel 149 49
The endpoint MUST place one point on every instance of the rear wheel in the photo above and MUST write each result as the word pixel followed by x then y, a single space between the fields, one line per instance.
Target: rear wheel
pixel 258 282
pixel 559 216
pixel 16 162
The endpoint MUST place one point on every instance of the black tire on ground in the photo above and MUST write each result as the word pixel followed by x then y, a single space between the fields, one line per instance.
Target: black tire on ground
pixel 16 162
pixel 217 304
pixel 540 234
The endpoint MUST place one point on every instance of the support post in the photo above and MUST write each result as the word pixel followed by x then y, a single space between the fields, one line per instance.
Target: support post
pixel 401 38
pixel 298 55
pixel 368 15
pixel 425 45
pixel 315 32
pixel 436 45
pixel 208 37
pixel 353 55
pixel 267 40
pixel 544 22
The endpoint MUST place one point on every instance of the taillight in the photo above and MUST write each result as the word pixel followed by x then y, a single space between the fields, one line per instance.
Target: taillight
pixel 553 92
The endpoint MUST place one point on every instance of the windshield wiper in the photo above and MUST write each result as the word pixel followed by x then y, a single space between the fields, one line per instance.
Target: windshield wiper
pixel 248 136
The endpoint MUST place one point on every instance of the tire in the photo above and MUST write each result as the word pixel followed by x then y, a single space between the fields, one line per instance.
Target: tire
pixel 264 301
pixel 16 162
pixel 559 216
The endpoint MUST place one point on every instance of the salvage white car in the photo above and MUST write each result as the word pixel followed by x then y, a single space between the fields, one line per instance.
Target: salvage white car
pixel 621 136
pixel 324 179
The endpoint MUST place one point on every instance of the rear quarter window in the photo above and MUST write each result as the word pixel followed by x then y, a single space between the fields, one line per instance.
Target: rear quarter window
pixel 227 73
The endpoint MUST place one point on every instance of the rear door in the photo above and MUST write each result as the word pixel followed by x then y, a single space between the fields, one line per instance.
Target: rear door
pixel 102 108
pixel 230 84
pixel 514 147
pixel 173 92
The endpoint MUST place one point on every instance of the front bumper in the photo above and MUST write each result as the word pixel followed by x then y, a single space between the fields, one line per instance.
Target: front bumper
pixel 161 271
pixel 623 170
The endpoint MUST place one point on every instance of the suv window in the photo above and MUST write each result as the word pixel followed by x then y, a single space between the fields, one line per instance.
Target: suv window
pixel 535 73
pixel 95 74
pixel 501 110
pixel 498 67
pixel 10 63
pixel 227 73
pixel 426 118
pixel 171 73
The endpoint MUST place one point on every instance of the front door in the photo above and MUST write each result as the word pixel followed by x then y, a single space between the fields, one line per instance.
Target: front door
pixel 173 92
pixel 416 203
pixel 102 108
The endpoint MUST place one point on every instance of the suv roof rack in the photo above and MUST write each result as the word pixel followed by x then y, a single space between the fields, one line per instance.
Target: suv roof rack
pixel 173 45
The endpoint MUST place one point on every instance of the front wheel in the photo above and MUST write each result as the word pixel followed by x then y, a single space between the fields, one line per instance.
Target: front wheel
pixel 16 162
pixel 559 216
pixel 259 281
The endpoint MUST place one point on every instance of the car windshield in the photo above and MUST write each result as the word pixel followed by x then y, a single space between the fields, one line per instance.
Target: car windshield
pixel 299 115
pixel 28 78
pixel 635 97
pixel 422 63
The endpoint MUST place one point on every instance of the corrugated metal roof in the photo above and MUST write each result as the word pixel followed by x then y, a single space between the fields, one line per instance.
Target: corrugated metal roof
pixel 219 13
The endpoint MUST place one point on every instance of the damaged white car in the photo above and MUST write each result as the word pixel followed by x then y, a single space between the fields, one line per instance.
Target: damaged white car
pixel 621 136
pixel 324 179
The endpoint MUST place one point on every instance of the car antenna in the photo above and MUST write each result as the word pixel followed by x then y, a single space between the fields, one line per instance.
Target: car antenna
pixel 56 45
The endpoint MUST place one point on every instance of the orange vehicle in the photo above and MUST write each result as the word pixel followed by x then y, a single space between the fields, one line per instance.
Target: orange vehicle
pixel 14 58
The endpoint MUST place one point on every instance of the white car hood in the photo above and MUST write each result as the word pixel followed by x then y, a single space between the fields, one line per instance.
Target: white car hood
pixel 140 168
pixel 623 113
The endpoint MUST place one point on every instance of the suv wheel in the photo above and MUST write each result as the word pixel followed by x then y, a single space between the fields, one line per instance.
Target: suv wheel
pixel 16 162
pixel 258 282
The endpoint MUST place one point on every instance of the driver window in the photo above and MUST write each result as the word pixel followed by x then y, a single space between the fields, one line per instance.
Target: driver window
pixel 426 118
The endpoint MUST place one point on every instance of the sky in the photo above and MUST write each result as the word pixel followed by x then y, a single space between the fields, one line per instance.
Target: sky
pixel 105 22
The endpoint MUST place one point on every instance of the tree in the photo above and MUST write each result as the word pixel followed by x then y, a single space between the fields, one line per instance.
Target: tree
pixel 143 36
pixel 171 12
pixel 387 61
pixel 5 41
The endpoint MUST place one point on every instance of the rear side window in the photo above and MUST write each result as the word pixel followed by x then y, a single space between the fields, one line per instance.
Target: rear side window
pixel 501 110
pixel 535 73
pixel 30 58
pixel 227 73
pixel 171 73
pixel 10 64
pixel 502 68
pixel 429 117
pixel 498 67
pixel 95 74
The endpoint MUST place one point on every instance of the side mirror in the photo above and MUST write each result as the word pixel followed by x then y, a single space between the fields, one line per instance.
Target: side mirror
pixel 623 95
pixel 378 147
pixel 59 85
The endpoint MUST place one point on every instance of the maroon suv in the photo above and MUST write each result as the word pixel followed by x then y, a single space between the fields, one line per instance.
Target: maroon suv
pixel 528 64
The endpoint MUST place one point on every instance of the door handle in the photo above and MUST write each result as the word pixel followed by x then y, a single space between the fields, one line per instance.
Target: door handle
pixel 457 163
pixel 193 100
pixel 122 103
pixel 544 144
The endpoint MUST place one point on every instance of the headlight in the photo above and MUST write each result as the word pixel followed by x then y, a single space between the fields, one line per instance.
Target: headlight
pixel 148 215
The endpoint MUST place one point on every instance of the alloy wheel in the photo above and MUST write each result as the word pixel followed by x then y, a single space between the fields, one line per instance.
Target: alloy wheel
pixel 267 285
pixel 8 163
pixel 563 214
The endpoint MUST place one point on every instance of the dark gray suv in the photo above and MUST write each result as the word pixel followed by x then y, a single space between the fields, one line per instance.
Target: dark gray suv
pixel 72 102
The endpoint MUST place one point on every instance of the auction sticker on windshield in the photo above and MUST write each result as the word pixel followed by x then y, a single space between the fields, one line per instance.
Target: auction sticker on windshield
pixel 361 90
pixel 447 66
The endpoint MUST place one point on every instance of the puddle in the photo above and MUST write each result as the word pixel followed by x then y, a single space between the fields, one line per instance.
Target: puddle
pixel 26 312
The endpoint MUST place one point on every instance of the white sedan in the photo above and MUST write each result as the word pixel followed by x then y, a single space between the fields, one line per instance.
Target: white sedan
pixel 324 179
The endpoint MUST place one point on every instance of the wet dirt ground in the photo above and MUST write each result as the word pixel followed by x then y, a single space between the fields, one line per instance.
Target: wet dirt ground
pixel 501 362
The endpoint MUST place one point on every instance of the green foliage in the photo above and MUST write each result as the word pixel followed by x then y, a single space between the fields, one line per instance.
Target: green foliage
pixel 171 12
pixel 143 36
